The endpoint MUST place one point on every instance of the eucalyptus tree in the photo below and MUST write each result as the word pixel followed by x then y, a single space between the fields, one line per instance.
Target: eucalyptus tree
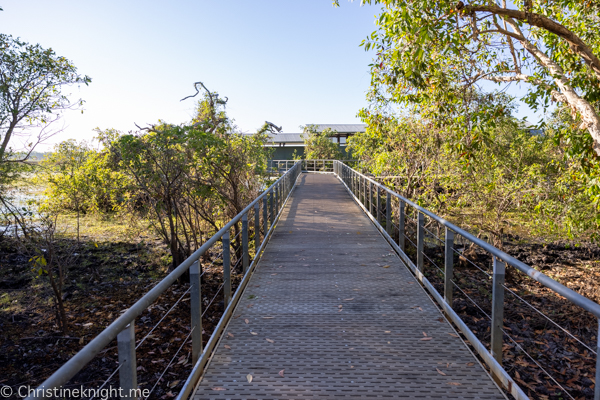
pixel 432 55
pixel 31 98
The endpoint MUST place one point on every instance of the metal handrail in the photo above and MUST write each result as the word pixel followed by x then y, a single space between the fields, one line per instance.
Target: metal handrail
pixel 569 294
pixel 282 187
pixel 326 164
pixel 361 186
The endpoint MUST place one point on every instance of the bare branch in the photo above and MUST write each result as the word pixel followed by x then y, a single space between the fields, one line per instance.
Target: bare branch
pixel 197 90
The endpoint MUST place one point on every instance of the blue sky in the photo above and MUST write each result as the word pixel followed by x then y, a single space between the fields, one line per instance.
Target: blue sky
pixel 291 62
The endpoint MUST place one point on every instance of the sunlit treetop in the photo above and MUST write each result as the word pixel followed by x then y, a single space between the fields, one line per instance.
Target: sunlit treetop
pixel 430 54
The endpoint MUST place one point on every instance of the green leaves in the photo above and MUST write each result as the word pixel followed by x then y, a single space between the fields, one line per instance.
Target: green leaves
pixel 431 55
pixel 320 145
pixel 31 79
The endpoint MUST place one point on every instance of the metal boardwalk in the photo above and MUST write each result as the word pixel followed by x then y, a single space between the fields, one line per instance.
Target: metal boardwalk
pixel 332 306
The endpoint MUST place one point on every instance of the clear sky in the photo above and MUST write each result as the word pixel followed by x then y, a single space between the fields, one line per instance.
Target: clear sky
pixel 291 62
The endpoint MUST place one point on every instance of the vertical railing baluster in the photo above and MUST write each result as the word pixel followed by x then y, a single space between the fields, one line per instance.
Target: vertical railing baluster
pixel 597 386
pixel 272 207
pixel 448 266
pixel 401 219
pixel 128 370
pixel 245 255
pixel 497 309
pixel 364 192
pixel 256 227
pixel 420 239
pixel 378 204
pixel 370 197
pixel 388 213
pixel 196 310
pixel 360 189
pixel 265 217
pixel 226 270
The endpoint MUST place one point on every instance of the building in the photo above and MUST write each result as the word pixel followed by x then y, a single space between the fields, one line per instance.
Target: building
pixel 285 144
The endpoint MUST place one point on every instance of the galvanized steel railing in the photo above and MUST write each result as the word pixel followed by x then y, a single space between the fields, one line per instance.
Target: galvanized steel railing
pixel 324 165
pixel 368 194
pixel 272 202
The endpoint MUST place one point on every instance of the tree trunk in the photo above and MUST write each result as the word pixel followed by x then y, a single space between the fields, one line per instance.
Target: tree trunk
pixel 57 289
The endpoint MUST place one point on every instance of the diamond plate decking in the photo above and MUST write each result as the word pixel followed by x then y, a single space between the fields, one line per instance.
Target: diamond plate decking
pixel 323 307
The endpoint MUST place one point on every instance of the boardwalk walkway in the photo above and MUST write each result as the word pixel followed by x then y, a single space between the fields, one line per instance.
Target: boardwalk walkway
pixel 335 309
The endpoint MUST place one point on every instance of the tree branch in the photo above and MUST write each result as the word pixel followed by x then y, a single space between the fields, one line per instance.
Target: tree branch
pixel 541 21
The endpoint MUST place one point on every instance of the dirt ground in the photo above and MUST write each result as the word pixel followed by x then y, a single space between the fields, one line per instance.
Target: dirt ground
pixel 546 361
pixel 108 278
pixel 106 281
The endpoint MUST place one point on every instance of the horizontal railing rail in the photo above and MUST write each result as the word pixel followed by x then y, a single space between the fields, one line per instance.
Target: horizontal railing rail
pixel 268 206
pixel 375 199
pixel 316 165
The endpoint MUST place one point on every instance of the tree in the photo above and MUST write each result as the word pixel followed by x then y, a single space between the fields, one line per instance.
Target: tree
pixel 431 54
pixel 191 179
pixel 68 182
pixel 319 145
pixel 31 79
pixel 52 261
pixel 513 181
pixel 82 179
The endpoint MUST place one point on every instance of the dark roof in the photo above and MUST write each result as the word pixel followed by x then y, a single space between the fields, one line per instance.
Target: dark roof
pixel 297 137
pixel 341 128
pixel 287 138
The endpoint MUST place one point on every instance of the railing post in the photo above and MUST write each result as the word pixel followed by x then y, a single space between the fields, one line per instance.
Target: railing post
pixel 364 191
pixel 401 225
pixel 245 255
pixel 196 310
pixel 497 309
pixel 271 207
pixel 128 371
pixel 448 266
pixel 265 216
pixel 378 204
pixel 420 240
pixel 597 386
pixel 256 227
pixel 280 195
pixel 388 213
pixel 226 270
pixel 370 197
pixel 277 198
